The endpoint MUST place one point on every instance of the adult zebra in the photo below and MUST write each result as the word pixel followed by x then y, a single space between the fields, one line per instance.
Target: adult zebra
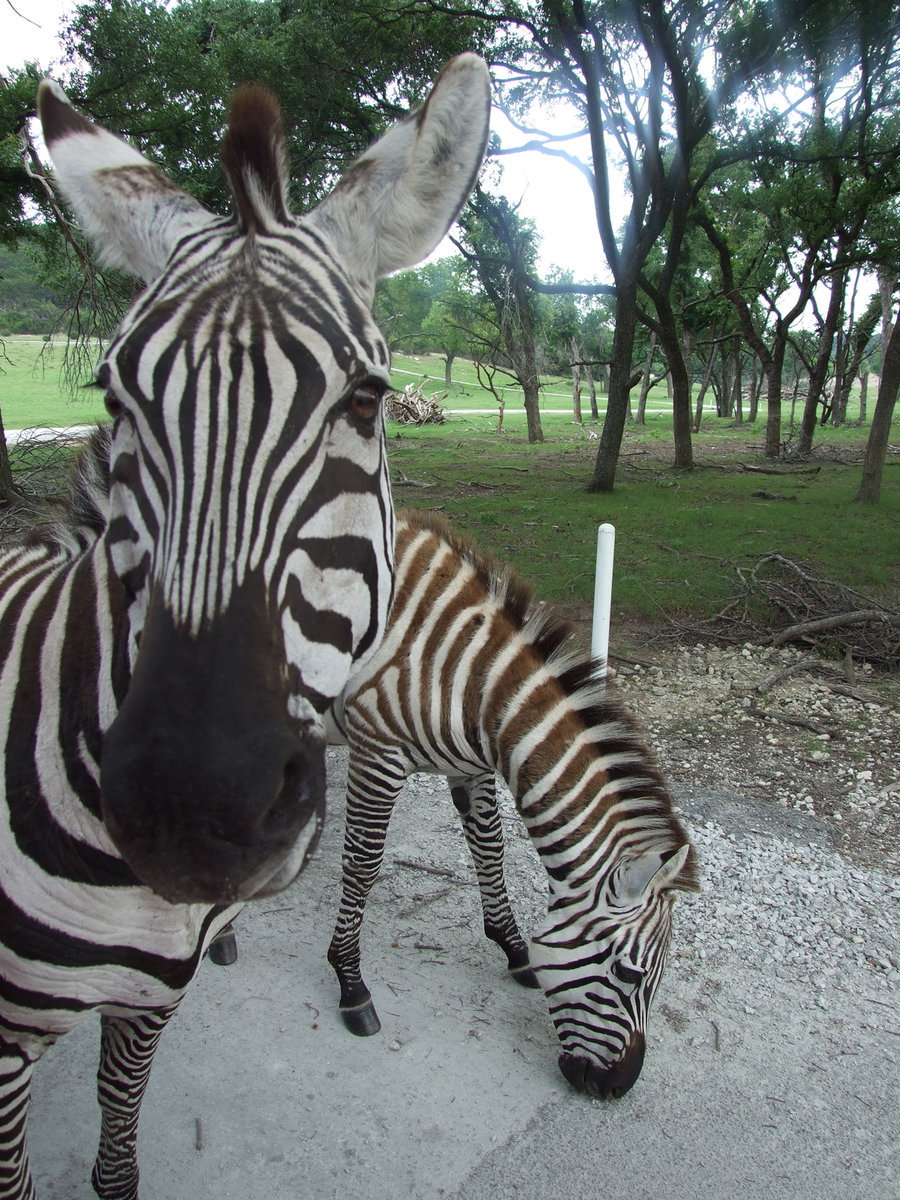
pixel 474 677
pixel 162 676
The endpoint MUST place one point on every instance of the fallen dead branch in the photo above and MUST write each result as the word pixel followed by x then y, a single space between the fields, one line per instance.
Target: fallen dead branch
pixel 810 663
pixel 823 624
pixel 780 601
pixel 787 719
pixel 780 470
pixel 413 407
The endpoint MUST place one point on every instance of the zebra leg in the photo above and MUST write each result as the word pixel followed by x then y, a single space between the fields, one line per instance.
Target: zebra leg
pixel 475 799
pixel 16 1070
pixel 371 794
pixel 128 1044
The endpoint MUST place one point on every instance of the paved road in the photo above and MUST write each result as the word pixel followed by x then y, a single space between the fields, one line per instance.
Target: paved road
pixel 752 1086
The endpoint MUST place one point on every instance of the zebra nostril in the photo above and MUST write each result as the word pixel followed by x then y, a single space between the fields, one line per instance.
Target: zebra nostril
pixel 574 1068
pixel 302 787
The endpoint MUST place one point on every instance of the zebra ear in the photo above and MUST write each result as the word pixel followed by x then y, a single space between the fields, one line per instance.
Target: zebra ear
pixel 131 212
pixel 394 204
pixel 652 871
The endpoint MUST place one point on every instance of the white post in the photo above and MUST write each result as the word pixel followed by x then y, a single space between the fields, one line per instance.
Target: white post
pixel 606 548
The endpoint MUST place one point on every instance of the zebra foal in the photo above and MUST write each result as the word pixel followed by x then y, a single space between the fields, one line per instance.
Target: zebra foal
pixel 474 678
pixel 166 657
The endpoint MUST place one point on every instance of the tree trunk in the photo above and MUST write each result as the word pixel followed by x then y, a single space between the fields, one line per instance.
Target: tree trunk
pixel 876 448
pixel 838 412
pixel 704 386
pixel 737 408
pixel 532 391
pixel 7 487
pixel 819 372
pixel 863 396
pixel 645 382
pixel 448 366
pixel 773 394
pixel 887 281
pixel 679 382
pixel 681 413
pixel 592 391
pixel 754 388
pixel 576 387
pixel 527 353
pixel 722 386
pixel 604 475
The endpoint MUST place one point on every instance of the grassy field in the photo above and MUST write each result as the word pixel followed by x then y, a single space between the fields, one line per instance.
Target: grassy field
pixel 31 389
pixel 682 537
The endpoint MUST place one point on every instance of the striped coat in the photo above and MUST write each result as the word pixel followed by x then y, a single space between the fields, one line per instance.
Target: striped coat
pixel 166 658
pixel 474 678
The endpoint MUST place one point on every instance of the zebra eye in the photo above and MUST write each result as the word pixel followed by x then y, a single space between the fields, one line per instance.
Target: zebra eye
pixel 365 400
pixel 631 976
pixel 113 405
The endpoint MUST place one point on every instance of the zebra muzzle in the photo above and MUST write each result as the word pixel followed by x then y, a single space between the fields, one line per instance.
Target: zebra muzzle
pixel 605 1082
pixel 219 840
pixel 210 791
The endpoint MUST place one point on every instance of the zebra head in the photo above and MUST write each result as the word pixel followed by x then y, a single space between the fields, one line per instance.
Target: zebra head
pixel 251 525
pixel 599 956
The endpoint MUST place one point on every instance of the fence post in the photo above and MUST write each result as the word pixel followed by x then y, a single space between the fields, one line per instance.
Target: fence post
pixel 606 548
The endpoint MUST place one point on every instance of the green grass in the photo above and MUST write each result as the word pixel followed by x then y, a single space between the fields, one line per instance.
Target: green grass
pixel 681 537
pixel 556 397
pixel 31 388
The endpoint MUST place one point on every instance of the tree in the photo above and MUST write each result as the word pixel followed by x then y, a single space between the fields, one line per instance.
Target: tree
pixel 453 312
pixel 649 79
pixel 161 75
pixel 27 305
pixel 771 274
pixel 563 326
pixel 501 247
pixel 402 303
pixel 869 490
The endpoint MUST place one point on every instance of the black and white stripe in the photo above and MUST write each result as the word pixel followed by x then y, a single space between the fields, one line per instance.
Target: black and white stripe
pixel 473 679
pixel 166 654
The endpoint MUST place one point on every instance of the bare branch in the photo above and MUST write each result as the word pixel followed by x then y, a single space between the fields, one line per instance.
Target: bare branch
pixel 22 16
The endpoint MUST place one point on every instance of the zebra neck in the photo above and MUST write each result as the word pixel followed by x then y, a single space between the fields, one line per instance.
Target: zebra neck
pixel 539 741
pixel 587 787
pixel 66 638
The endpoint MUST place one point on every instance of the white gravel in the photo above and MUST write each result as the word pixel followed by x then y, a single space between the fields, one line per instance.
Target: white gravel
pixel 814 741
pixel 802 914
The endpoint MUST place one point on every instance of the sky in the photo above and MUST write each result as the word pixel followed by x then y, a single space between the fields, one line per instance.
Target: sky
pixel 551 192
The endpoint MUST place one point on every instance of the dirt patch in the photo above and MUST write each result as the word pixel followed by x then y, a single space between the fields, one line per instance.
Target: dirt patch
pixel 779 725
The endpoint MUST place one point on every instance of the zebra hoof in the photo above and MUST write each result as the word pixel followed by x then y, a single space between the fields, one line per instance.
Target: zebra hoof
pixel 223 948
pixel 362 1019
pixel 524 976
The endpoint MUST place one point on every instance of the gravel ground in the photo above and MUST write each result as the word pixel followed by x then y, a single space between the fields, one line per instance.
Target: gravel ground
pixel 782 726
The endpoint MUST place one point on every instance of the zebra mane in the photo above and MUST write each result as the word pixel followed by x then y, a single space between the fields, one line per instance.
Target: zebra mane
pixel 254 159
pixel 79 519
pixel 598 702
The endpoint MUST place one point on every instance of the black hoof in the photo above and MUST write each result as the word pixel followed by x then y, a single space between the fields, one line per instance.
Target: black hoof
pixel 361 1019
pixel 524 976
pixel 223 948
